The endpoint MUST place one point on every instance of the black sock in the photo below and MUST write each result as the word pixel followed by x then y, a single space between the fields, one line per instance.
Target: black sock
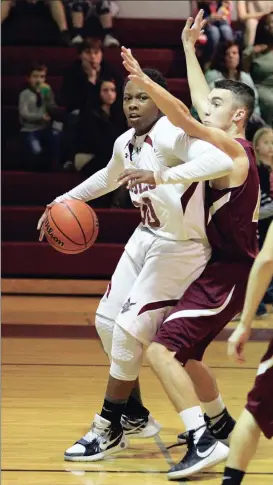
pixel 232 476
pixel 136 394
pixel 113 409
pixel 135 408
pixel 108 31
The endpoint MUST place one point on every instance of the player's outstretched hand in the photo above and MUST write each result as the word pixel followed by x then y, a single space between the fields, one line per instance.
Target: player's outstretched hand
pixel 40 225
pixel 237 341
pixel 131 177
pixel 193 29
pixel 135 72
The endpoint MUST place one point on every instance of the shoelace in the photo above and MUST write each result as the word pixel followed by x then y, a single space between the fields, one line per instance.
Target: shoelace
pixel 95 431
pixel 188 435
pixel 209 422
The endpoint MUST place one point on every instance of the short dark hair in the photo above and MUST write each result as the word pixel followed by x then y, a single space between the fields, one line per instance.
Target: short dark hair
pixel 36 66
pixel 90 43
pixel 154 75
pixel 243 94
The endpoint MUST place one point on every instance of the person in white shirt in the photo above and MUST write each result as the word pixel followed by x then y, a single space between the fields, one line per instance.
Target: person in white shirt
pixel 166 253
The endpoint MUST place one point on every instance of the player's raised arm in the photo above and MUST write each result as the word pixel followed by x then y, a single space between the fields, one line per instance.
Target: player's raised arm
pixel 259 279
pixel 199 89
pixel 176 111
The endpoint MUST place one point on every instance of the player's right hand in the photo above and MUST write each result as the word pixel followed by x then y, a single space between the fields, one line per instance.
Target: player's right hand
pixel 193 29
pixel 40 225
pixel 237 341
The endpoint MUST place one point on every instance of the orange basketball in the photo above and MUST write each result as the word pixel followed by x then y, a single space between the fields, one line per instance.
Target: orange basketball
pixel 71 226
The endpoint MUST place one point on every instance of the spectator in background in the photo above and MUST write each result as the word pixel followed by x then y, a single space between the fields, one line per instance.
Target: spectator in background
pixel 56 9
pixel 227 64
pixel 99 127
pixel 37 108
pixel 250 12
pixel 80 9
pixel 103 11
pixel 263 146
pixel 218 26
pixel 81 88
pixel 258 60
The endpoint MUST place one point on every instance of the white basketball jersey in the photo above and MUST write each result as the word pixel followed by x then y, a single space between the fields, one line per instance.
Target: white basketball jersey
pixel 175 211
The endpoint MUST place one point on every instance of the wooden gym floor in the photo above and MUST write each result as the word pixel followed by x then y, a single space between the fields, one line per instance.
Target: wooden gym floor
pixel 53 379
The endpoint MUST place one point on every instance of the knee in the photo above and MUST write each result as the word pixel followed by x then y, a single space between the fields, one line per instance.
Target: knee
pixel 157 354
pixel 226 32
pixel 126 355
pixel 105 328
pixel 251 24
pixel 213 34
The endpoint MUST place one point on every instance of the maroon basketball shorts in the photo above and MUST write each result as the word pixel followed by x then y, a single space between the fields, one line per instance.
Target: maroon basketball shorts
pixel 260 398
pixel 205 309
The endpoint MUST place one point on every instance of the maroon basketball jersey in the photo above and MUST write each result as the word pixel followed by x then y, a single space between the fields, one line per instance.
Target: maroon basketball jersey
pixel 232 215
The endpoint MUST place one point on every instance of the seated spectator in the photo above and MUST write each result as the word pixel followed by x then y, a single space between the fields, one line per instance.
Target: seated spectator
pixel 218 26
pixel 56 9
pixel 80 88
pixel 80 9
pixel 98 130
pixel 250 12
pixel 37 108
pixel 99 127
pixel 263 146
pixel 227 64
pixel 258 60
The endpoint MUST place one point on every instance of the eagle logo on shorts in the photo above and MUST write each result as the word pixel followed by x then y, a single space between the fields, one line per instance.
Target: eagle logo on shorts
pixel 126 307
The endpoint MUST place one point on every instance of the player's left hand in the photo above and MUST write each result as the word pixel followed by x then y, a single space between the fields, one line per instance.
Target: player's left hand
pixel 135 72
pixel 132 177
pixel 237 341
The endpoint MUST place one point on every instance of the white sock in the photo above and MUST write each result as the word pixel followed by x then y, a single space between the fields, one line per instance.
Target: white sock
pixel 214 408
pixel 193 419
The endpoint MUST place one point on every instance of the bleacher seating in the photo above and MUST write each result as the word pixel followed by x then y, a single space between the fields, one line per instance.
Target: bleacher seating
pixel 157 44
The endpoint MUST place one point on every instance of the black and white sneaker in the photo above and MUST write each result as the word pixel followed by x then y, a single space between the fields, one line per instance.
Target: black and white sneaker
pixel 102 440
pixel 205 453
pixel 140 426
pixel 221 430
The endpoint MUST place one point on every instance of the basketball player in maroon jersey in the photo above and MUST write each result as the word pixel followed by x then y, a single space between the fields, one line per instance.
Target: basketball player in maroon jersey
pixel 258 413
pixel 232 215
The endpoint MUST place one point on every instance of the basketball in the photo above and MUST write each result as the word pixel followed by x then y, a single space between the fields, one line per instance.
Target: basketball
pixel 71 226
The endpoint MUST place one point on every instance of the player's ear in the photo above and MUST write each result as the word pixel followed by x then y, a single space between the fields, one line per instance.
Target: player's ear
pixel 239 114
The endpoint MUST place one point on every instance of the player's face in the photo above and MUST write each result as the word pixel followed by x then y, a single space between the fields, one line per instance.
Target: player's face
pixel 264 147
pixel 221 111
pixel 108 92
pixel 140 111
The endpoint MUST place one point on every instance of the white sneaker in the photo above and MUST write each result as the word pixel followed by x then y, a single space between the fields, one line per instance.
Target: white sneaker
pixel 140 427
pixel 110 41
pixel 102 440
pixel 78 39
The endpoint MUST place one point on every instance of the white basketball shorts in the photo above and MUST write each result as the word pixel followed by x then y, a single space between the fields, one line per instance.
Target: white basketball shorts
pixel 151 276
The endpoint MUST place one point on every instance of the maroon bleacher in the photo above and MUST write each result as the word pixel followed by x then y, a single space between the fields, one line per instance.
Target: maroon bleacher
pixel 156 44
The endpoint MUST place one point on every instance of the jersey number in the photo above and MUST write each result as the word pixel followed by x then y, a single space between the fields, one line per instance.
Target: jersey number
pixel 148 215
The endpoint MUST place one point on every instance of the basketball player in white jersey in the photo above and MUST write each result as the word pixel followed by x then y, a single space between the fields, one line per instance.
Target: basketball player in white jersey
pixel 166 253
pixel 211 301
